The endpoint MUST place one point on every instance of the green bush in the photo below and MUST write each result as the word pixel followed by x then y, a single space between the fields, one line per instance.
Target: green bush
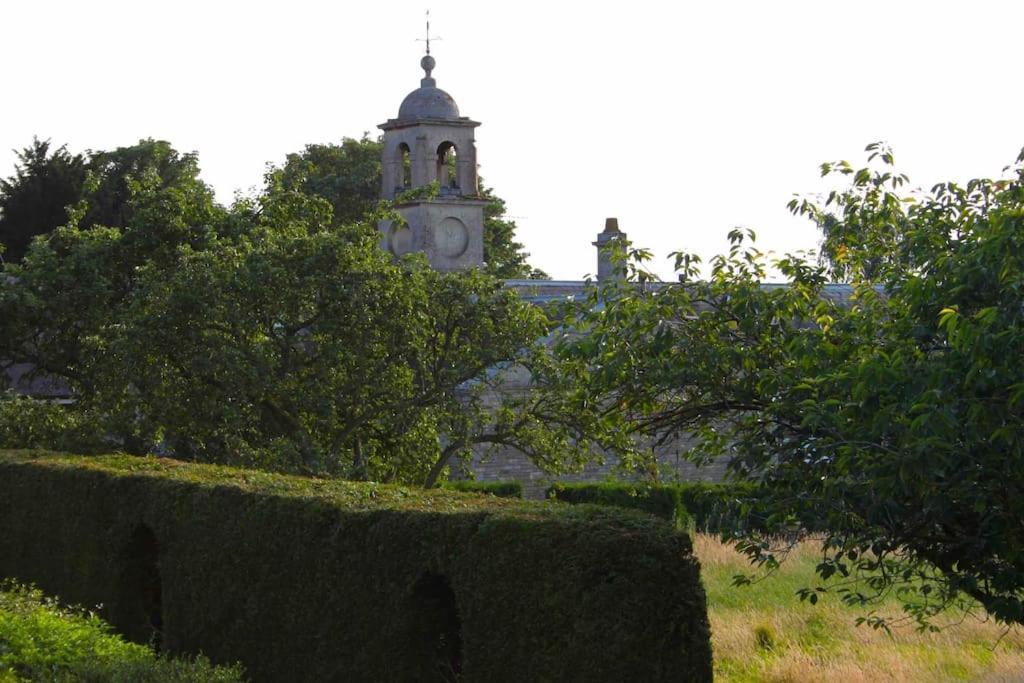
pixel 307 579
pixel 661 501
pixel 502 489
pixel 32 423
pixel 721 506
pixel 707 506
pixel 42 641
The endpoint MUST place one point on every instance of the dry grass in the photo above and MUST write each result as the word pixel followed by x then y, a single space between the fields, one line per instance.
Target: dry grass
pixel 765 633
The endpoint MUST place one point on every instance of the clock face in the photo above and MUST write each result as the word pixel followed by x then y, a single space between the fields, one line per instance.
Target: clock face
pixel 452 237
pixel 400 240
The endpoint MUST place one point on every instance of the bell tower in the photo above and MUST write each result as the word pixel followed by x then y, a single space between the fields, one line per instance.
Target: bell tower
pixel 431 147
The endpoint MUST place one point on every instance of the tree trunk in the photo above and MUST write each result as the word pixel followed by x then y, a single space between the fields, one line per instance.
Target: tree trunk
pixel 438 467
pixel 358 461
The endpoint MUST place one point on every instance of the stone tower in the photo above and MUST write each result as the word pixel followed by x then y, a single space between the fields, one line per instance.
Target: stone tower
pixel 430 143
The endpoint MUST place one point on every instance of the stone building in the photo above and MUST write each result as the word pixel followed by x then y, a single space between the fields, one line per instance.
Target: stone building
pixel 430 144
pixel 430 171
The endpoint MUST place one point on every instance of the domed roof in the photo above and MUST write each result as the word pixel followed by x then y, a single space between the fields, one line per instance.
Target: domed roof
pixel 428 101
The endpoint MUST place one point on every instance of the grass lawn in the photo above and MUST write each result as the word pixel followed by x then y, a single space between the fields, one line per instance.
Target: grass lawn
pixel 764 632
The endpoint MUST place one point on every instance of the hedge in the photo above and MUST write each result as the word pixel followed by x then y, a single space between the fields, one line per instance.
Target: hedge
pixel 316 580
pixel 43 641
pixel 660 501
pixel 708 506
pixel 723 506
pixel 502 489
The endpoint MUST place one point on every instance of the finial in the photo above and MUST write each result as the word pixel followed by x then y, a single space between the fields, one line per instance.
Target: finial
pixel 427 39
pixel 427 63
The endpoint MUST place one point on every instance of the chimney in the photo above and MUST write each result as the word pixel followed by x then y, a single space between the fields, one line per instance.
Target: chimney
pixel 605 267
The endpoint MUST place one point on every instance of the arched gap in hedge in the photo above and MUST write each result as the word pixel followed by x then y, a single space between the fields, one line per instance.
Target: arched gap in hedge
pixel 439 624
pixel 142 585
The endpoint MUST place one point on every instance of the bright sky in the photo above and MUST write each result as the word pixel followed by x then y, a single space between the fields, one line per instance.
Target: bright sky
pixel 682 119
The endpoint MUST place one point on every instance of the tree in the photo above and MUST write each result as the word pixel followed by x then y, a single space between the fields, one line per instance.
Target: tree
pixel 266 335
pixel 862 233
pixel 307 350
pixel 118 173
pixel 886 413
pixel 348 176
pixel 34 200
pixel 62 297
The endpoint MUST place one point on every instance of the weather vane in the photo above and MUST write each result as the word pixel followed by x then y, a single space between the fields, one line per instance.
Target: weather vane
pixel 427 39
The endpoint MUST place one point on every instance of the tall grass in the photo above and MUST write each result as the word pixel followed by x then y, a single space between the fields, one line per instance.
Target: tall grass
pixel 763 632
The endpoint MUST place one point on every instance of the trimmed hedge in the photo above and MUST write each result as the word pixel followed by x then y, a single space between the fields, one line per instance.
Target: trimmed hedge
pixel 42 641
pixel 660 501
pixel 721 506
pixel 708 506
pixel 315 580
pixel 502 489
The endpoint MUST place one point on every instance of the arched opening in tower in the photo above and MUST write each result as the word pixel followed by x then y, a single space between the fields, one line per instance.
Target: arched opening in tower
pixel 142 589
pixel 438 625
pixel 405 166
pixel 447 166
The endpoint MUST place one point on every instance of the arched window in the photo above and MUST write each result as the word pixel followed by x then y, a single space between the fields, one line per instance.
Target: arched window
pixel 447 175
pixel 405 166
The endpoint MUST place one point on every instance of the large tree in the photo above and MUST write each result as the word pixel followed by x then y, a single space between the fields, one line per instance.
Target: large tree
pixel 268 335
pixel 346 175
pixel 34 200
pixel 304 348
pixel 886 413
pixel 63 293
pixel 116 176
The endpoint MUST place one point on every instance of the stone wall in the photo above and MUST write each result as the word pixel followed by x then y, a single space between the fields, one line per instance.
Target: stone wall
pixel 509 464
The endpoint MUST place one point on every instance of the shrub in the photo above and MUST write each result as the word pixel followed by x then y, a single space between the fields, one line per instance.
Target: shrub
pixel 32 423
pixel 721 506
pixel 661 501
pixel 502 489
pixel 708 506
pixel 42 641
pixel 307 579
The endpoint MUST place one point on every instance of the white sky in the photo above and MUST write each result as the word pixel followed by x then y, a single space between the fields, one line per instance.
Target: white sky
pixel 682 119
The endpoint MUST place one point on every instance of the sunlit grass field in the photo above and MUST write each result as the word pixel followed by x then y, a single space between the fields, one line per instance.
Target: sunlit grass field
pixel 763 632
